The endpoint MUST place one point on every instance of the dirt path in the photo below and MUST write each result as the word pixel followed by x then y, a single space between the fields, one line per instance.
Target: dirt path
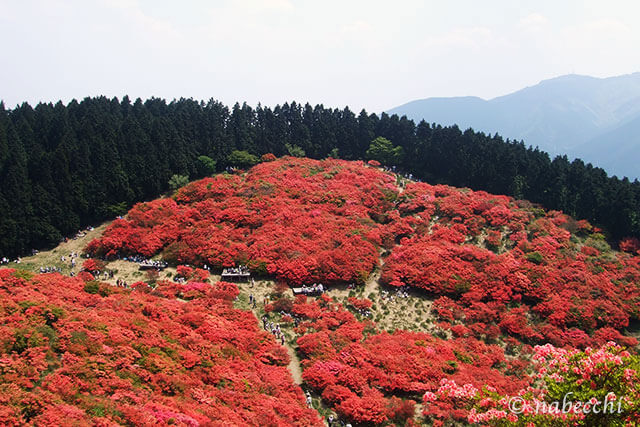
pixel 53 257
pixel 260 291
pixel 372 284
pixel 294 366
pixel 401 183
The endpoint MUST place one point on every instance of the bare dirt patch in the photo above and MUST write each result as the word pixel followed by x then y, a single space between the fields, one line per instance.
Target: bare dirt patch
pixel 53 257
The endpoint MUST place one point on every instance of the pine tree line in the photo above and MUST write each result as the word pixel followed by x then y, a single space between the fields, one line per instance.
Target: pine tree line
pixel 63 167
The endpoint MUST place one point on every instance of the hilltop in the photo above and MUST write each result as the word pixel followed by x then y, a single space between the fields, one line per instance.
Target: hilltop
pixel 433 296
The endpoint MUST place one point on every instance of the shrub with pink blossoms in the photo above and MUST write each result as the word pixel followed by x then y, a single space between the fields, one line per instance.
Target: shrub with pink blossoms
pixel 571 387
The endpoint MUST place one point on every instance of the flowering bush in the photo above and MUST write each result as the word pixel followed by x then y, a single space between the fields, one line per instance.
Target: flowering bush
pixel 590 387
pixel 360 304
pixel 631 245
pixel 92 265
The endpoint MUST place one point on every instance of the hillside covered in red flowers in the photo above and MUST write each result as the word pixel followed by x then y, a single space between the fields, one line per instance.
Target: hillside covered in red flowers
pixel 499 266
pixel 501 277
pixel 298 220
pixel 362 371
pixel 493 264
pixel 118 357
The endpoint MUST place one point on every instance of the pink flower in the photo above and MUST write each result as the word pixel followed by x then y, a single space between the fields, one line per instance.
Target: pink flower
pixel 430 397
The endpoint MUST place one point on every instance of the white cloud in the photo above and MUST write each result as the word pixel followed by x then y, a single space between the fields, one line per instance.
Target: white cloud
pixel 260 5
pixel 360 34
pixel 534 22
pixel 357 29
pixel 152 30
pixel 598 30
pixel 466 37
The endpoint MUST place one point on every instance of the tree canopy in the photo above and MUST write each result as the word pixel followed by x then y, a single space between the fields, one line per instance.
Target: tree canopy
pixel 382 150
pixel 242 158
pixel 178 181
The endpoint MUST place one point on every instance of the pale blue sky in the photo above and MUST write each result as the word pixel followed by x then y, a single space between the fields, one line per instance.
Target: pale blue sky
pixel 371 54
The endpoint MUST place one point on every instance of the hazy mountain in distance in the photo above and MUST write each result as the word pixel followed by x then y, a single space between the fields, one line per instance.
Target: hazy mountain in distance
pixel 617 151
pixel 587 117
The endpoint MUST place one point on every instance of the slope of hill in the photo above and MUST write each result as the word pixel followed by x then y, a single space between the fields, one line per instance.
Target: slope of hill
pixel 559 115
pixel 74 351
pixel 616 150
pixel 476 279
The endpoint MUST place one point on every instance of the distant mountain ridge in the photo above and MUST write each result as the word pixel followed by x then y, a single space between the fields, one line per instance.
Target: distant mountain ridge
pixel 595 119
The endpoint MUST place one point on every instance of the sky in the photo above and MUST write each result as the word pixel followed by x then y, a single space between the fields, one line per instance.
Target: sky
pixel 362 54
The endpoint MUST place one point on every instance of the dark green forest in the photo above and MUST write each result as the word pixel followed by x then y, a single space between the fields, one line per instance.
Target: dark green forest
pixel 63 167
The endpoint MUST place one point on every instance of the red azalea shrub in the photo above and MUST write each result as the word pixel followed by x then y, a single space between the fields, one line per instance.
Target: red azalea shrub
pixel 201 274
pixel 360 304
pixel 190 273
pixel 631 245
pixel 589 251
pixel 85 276
pixel 493 239
pixel 185 271
pixel 92 265
pixel 133 358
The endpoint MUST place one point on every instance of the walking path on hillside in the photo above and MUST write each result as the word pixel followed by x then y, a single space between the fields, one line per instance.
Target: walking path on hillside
pixel 294 365
pixel 261 291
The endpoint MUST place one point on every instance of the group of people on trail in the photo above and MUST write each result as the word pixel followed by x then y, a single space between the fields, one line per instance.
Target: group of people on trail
pixel 80 234
pixel 402 292
pixel 274 328
pixel 121 283
pixel 395 170
pixel 51 269
pixel 331 420
pixel 363 311
pixel 135 258
pixel 106 274
pixel 72 257
pixel 56 269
